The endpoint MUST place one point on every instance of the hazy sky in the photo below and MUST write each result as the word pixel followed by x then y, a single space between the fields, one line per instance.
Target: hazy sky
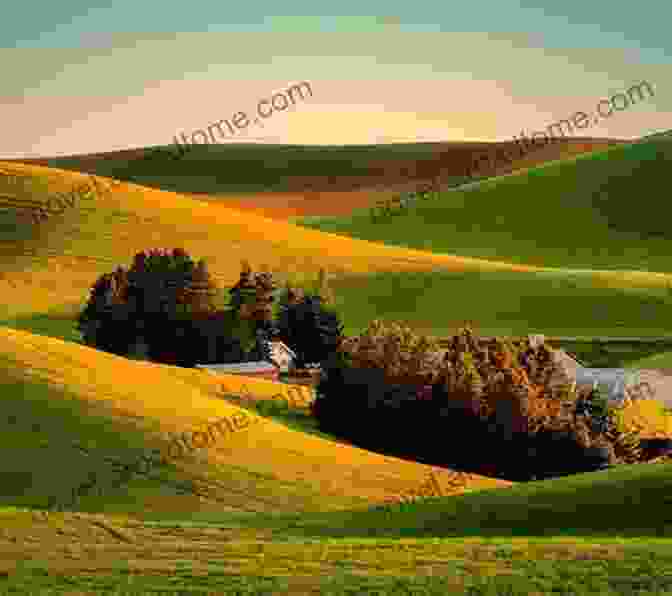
pixel 100 75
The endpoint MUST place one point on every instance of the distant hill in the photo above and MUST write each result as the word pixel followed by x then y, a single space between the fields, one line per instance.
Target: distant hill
pixel 655 135
pixel 606 210
pixel 253 168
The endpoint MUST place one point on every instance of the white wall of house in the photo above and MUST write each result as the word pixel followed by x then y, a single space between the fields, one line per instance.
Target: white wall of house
pixel 282 355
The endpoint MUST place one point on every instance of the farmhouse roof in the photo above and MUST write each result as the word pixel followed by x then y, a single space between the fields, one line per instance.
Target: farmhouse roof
pixel 283 345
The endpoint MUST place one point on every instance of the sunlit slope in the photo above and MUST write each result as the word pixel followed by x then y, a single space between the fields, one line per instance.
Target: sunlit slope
pixel 65 407
pixel 606 210
pixel 53 263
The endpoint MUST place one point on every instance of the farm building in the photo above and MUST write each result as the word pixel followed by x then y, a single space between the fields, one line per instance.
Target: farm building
pixel 261 369
pixel 283 356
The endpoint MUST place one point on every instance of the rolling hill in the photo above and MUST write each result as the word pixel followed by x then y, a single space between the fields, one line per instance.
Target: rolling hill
pixel 269 502
pixel 244 169
pixel 48 267
pixel 65 407
pixel 605 210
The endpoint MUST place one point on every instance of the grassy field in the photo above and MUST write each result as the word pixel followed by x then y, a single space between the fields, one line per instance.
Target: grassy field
pixel 49 267
pixel 635 355
pixel 278 507
pixel 553 303
pixel 437 303
pixel 658 360
pixel 598 533
pixel 605 210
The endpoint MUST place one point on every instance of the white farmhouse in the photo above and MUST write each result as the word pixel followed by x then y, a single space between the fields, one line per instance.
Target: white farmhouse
pixel 282 356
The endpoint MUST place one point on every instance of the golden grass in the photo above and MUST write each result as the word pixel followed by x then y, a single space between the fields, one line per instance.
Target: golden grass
pixel 263 467
pixel 649 415
pixel 55 266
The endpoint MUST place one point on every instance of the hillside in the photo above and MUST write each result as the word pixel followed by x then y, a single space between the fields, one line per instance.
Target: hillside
pixel 272 507
pixel 65 408
pixel 48 267
pixel 269 506
pixel 606 210
pixel 243 169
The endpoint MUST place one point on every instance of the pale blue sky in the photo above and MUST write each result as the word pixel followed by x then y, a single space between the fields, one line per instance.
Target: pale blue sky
pixel 102 75
pixel 70 23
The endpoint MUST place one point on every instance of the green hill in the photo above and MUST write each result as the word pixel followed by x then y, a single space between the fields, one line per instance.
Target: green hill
pixel 595 504
pixel 256 168
pixel 606 210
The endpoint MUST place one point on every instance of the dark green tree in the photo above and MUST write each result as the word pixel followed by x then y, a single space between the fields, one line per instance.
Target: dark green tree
pixel 308 326
pixel 155 301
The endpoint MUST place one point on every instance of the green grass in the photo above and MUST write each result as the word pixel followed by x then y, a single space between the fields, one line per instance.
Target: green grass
pixel 627 508
pixel 605 210
pixel 573 535
pixel 618 504
pixel 560 304
pixel 617 355
pixel 437 302
pixel 61 326
pixel 518 576
pixel 42 426
pixel 659 360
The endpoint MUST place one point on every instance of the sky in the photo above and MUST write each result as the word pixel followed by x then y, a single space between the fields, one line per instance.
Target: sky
pixel 93 76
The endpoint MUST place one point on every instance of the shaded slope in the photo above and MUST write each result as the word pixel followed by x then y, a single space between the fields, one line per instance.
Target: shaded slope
pixel 285 206
pixel 607 210
pixel 252 168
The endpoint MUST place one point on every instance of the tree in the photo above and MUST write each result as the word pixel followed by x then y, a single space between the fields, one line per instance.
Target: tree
pixel 309 328
pixel 252 310
pixel 200 293
pixel 243 291
pixel 106 321
pixel 156 300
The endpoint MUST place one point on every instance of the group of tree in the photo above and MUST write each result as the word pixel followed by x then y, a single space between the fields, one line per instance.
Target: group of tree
pixel 486 406
pixel 164 308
